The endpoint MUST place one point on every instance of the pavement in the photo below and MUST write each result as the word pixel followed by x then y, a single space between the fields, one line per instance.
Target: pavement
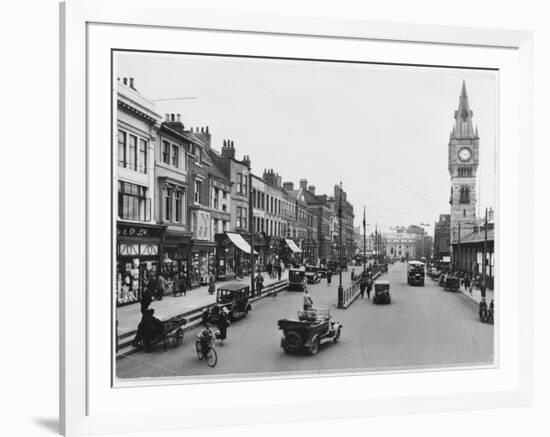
pixel 475 294
pixel 423 327
pixel 129 316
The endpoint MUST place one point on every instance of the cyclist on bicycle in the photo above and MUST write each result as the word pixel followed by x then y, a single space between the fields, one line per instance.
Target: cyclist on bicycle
pixel 206 337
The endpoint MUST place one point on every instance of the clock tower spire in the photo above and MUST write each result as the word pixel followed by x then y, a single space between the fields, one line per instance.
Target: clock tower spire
pixel 463 163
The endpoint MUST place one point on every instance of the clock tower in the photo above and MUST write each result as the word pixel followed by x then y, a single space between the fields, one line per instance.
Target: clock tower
pixel 463 164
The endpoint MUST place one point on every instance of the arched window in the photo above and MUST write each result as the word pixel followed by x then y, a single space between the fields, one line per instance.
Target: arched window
pixel 464 195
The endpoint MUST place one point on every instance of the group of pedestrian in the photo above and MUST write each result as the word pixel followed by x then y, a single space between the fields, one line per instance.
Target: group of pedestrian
pixel 365 284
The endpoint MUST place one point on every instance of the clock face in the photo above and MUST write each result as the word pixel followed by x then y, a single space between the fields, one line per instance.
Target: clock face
pixel 464 154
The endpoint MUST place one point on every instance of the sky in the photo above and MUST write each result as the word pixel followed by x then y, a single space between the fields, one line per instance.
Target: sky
pixel 383 130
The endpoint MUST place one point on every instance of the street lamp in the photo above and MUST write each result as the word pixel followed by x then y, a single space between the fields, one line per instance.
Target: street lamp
pixel 340 288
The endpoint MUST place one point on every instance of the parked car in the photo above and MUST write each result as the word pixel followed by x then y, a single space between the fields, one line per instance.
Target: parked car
pixel 452 283
pixel 382 292
pixel 308 332
pixel 312 275
pixel 296 279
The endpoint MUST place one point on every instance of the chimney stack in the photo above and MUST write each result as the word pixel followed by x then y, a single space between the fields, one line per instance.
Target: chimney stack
pixel 246 160
pixel 288 186
pixel 173 121
pixel 228 150
pixel 311 189
pixel 303 184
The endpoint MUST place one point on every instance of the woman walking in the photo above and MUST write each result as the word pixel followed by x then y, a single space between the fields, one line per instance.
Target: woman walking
pixel 223 323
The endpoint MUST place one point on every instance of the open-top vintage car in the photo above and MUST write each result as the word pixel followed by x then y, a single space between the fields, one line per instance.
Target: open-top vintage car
pixel 312 328
pixel 232 298
pixel 296 279
pixel 312 274
pixel 381 292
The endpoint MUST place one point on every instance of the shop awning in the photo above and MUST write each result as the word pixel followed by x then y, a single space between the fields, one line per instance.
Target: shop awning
pixel 293 246
pixel 240 242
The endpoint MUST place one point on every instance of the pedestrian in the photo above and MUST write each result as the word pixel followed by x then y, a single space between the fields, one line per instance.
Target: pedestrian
pixel 223 323
pixel 329 277
pixel 352 275
pixel 308 302
pixel 183 283
pixel 369 286
pixel 161 286
pixel 279 272
pixel 176 284
pixel 211 284
pixel 146 298
pixel 363 286
pixel 467 282
pixel 259 284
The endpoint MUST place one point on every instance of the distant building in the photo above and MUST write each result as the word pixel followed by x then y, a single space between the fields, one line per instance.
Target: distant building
pixel 442 238
pixel 400 245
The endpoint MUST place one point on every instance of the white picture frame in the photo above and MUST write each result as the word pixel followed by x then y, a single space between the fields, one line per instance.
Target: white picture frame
pixel 88 403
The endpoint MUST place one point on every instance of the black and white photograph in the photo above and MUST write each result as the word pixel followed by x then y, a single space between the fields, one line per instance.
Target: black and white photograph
pixel 276 217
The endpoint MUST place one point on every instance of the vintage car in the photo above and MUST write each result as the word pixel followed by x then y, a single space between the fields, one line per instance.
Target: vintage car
pixel 312 328
pixel 312 274
pixel 296 279
pixel 415 273
pixel 452 283
pixel 433 273
pixel 381 292
pixel 232 298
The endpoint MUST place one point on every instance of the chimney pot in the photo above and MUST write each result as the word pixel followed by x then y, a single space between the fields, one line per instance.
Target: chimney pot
pixel 179 117
pixel 132 83
pixel 206 129
pixel 125 80
pixel 167 117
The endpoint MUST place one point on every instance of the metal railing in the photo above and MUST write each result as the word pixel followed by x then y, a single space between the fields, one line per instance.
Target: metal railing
pixel 124 342
pixel 352 292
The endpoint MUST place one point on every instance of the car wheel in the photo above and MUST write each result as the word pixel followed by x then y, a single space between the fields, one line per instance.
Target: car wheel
pixel 179 336
pixel 314 346
pixel 293 339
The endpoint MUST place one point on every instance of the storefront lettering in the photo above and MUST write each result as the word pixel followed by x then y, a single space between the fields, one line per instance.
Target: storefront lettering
pixel 136 231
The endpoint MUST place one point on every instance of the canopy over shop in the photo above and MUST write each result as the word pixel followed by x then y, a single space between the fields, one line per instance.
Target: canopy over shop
pixel 233 256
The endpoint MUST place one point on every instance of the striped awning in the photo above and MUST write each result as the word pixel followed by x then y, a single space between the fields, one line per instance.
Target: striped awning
pixel 293 246
pixel 240 242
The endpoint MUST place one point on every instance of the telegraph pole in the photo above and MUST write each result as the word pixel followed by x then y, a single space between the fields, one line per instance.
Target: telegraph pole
pixel 484 263
pixel 364 239
pixel 340 288
pixel 251 229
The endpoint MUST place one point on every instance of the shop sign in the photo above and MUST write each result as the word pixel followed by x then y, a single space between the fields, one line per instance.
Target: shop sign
pixel 124 230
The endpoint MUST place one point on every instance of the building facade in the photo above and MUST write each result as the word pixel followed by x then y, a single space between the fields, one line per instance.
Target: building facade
pixel 400 245
pixel 139 237
pixel 463 162
pixel 442 238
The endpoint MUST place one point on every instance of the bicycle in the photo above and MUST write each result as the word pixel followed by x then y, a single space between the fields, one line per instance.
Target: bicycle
pixel 210 355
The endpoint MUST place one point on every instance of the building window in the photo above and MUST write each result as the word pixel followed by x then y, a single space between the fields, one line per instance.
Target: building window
pixel 132 152
pixel 199 156
pixel 121 148
pixel 178 206
pixel 143 156
pixel 224 195
pixel 245 184
pixel 245 218
pixel 166 152
pixel 168 205
pixel 239 183
pixel 197 191
pixel 216 198
pixel 464 195
pixel 133 203
pixel 175 156
pixel 239 214
pixel 224 208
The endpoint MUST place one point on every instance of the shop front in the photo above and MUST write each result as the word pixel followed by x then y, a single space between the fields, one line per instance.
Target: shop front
pixel 138 259
pixel 202 262
pixel 175 254
pixel 233 256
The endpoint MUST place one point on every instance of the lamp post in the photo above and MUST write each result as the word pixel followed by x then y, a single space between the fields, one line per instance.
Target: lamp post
pixel 251 230
pixel 364 240
pixel 340 288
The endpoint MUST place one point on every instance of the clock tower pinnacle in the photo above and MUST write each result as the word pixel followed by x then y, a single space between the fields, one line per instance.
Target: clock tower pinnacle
pixel 463 164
